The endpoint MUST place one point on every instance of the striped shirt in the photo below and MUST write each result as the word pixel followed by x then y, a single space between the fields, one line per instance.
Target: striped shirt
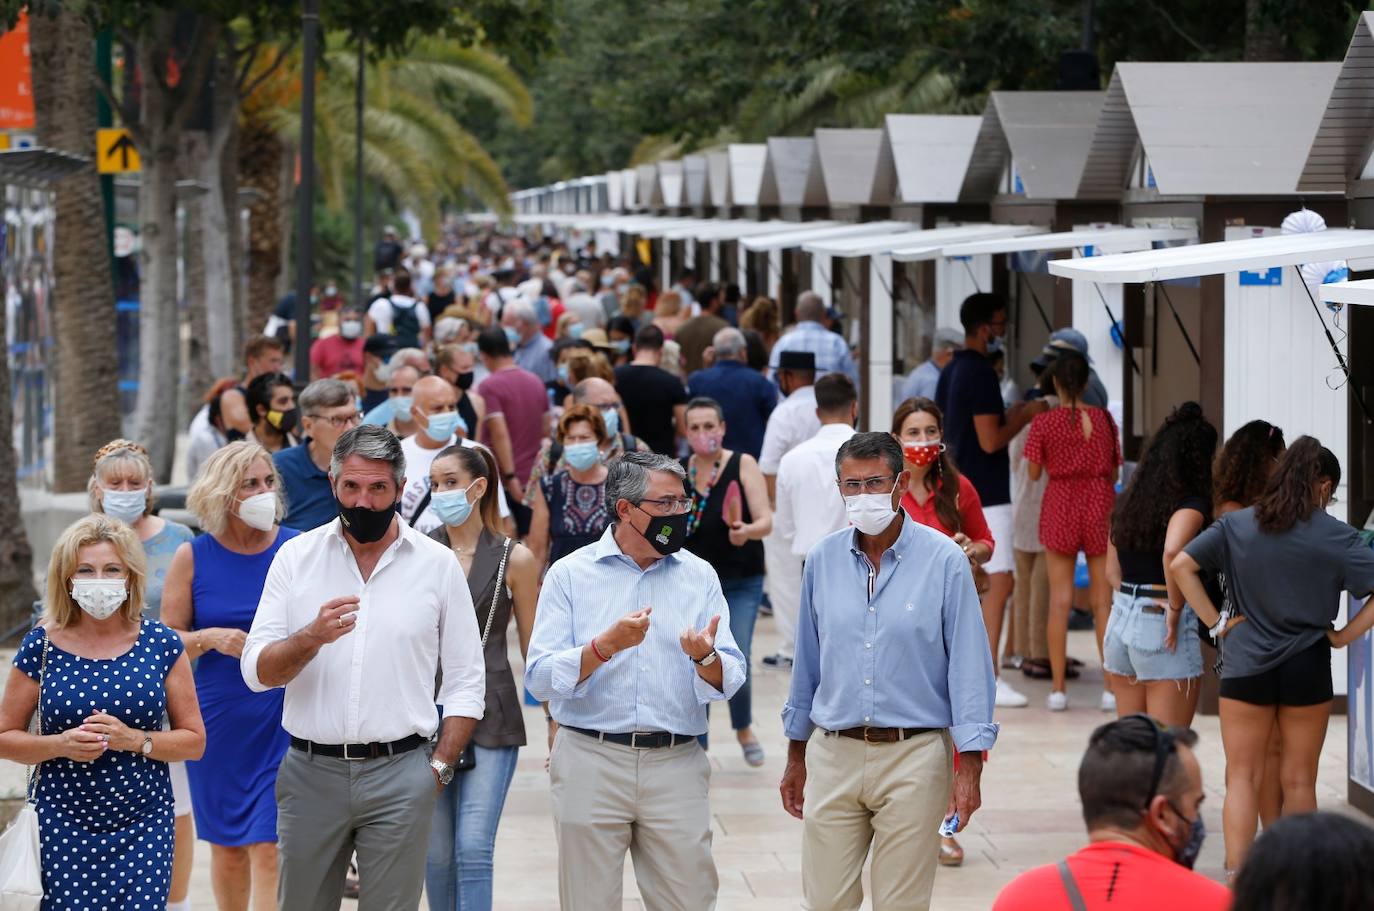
pixel 651 687
pixel 830 348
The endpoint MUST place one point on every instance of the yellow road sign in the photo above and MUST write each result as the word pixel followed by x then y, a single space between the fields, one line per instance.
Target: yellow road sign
pixel 115 152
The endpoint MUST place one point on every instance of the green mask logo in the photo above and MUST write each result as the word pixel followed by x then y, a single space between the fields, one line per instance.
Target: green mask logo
pixel 665 534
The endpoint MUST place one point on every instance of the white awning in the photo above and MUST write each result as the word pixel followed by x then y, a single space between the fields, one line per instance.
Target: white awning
pixel 663 225
pixel 730 229
pixel 1114 237
pixel 1249 254
pixel 808 232
pixel 913 245
pixel 1359 292
pixel 627 224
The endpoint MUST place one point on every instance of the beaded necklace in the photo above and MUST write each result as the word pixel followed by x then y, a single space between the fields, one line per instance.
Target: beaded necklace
pixel 699 500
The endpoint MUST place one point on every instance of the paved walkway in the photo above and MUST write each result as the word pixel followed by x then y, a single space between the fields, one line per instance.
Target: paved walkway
pixel 1030 809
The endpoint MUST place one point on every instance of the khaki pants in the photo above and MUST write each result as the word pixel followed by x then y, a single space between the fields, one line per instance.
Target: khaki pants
pixel 608 799
pixel 784 590
pixel 892 796
pixel 1031 606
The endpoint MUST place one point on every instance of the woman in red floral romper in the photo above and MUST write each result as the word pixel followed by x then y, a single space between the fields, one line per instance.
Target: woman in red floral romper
pixel 1078 447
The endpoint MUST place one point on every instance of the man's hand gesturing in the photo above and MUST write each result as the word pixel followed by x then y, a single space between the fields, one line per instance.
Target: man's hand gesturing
pixel 698 644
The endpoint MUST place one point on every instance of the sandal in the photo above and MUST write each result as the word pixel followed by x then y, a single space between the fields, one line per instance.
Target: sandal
pixel 1012 662
pixel 753 753
pixel 1040 670
pixel 951 855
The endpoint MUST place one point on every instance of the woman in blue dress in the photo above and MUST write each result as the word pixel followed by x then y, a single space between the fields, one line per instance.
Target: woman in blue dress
pixel 210 596
pixel 101 676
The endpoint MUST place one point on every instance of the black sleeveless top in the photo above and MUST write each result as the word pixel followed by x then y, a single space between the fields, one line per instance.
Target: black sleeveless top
pixel 468 412
pixel 502 725
pixel 711 539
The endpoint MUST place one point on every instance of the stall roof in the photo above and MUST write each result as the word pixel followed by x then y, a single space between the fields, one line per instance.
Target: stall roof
pixel 694 181
pixel 629 224
pixel 732 229
pixel 930 154
pixel 1223 256
pixel 1210 129
pixel 629 182
pixel 615 191
pixel 802 234
pixel 1048 135
pixel 1359 292
pixel 670 183
pixel 648 193
pixel 1343 142
pixel 931 244
pixel 856 166
pixel 718 178
pixel 663 225
pixel 792 173
pixel 909 242
pixel 1113 236
pixel 746 171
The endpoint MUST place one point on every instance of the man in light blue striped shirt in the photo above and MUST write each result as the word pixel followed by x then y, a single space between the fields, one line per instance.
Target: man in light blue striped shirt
pixel 631 642
pixel 809 334
pixel 892 664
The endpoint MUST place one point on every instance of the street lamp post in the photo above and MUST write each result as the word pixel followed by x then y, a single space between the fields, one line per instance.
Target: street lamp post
pixel 359 208
pixel 305 218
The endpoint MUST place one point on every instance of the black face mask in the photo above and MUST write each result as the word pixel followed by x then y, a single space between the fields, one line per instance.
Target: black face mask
pixel 285 421
pixel 665 534
pixel 364 525
pixel 464 380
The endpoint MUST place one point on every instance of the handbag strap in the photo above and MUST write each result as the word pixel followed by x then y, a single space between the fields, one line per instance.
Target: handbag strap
pixel 32 786
pixel 1071 887
pixel 496 594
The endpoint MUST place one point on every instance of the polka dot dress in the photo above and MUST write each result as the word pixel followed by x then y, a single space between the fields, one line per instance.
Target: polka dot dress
pixel 1077 509
pixel 105 826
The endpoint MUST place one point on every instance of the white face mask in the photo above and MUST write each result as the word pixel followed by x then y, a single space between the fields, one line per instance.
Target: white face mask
pixel 870 513
pixel 351 328
pixel 259 511
pixel 99 597
pixel 125 505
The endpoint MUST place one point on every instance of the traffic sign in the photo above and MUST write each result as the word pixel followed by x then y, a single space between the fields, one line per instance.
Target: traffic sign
pixel 115 152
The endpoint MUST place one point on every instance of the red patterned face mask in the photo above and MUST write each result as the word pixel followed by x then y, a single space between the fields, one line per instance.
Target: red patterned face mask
pixel 923 455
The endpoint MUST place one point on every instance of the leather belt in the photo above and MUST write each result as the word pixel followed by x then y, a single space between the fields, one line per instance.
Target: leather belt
pixel 882 735
pixel 1144 591
pixel 357 751
pixel 639 740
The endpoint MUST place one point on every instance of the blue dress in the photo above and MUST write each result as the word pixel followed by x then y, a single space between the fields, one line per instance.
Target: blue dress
pixel 105 826
pixel 233 787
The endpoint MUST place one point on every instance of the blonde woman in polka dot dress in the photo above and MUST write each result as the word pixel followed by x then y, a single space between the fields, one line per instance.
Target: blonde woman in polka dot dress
pixel 103 794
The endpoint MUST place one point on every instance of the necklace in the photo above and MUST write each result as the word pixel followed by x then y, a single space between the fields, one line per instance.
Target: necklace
pixel 699 500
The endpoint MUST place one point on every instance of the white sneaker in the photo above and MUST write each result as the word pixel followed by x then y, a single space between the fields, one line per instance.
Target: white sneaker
pixel 1108 702
pixel 1058 702
pixel 1008 698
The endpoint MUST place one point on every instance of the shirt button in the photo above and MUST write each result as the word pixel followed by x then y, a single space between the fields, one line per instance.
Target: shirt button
pixel 865 718
pixel 868 645
pixel 871 609
pixel 867 682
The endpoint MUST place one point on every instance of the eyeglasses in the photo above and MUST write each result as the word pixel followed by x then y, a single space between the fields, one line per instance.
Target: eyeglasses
pixel 668 506
pixel 882 483
pixel 401 390
pixel 338 421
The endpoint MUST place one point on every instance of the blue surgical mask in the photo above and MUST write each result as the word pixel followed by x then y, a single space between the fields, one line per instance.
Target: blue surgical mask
pixel 575 330
pixel 470 347
pixel 452 506
pixel 400 407
pixel 442 426
pixel 1197 833
pixel 564 374
pixel 620 345
pixel 612 418
pixel 513 337
pixel 607 280
pixel 582 455
pixel 125 505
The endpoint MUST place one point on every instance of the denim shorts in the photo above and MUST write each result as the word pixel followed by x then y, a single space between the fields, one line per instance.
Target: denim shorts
pixel 1133 645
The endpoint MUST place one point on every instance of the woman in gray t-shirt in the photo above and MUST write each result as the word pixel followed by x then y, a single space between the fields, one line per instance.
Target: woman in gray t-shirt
pixel 1286 563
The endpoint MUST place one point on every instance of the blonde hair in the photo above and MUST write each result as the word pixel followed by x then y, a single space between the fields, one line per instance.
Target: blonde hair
pixel 119 458
pixel 632 304
pixel 669 304
pixel 584 365
pixel 59 609
pixel 214 493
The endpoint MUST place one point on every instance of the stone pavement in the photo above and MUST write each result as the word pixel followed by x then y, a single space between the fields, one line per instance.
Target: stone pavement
pixel 1030 813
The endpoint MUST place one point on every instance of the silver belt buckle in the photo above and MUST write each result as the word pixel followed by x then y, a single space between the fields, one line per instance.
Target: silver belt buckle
pixel 349 758
pixel 634 741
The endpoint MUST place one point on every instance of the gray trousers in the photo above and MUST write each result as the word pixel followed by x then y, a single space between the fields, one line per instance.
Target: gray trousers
pixel 609 799
pixel 329 808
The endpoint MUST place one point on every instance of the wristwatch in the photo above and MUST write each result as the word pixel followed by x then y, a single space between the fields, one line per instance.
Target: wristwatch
pixel 443 770
pixel 147 748
pixel 709 660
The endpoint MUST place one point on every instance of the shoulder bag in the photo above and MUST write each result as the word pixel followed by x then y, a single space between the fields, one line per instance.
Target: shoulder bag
pixel 468 761
pixel 21 868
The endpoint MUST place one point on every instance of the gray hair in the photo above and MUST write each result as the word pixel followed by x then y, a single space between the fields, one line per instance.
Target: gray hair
pixel 730 345
pixel 522 310
pixel 449 328
pixel 326 393
pixel 810 307
pixel 628 477
pixel 373 442
pixel 872 445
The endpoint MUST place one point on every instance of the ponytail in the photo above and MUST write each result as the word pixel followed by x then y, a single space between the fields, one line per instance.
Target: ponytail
pixel 1290 496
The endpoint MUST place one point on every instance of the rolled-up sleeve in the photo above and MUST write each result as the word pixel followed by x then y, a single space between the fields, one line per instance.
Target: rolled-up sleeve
pixel 1208 549
pixel 271 623
pixel 732 664
pixel 972 682
pixel 464 689
pixel 555 659
pixel 806 665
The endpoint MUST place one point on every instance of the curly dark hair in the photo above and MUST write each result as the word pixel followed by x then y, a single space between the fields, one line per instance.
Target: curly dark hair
pixel 1176 464
pixel 944 480
pixel 1290 496
pixel 1245 462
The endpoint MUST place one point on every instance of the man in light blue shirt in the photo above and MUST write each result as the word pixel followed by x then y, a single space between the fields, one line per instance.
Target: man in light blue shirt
pixel 831 350
pixel 892 664
pixel 925 379
pixel 631 642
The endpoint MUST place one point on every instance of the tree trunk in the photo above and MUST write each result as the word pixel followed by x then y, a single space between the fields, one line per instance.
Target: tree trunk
pixel 260 157
pixel 200 375
pixel 216 228
pixel 17 593
pixel 229 171
pixel 86 412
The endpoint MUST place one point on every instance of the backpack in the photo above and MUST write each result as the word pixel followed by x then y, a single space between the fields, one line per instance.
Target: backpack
pixel 405 323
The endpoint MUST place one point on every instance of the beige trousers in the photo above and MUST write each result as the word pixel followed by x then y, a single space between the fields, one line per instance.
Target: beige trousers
pixel 890 796
pixel 1031 606
pixel 608 799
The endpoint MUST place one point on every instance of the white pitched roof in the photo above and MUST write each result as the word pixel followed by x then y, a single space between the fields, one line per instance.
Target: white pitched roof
pixel 930 154
pixel 1114 237
pixel 809 231
pixel 1345 138
pixel 694 181
pixel 792 173
pixel 855 166
pixel 718 178
pixel 1048 135
pixel 670 183
pixel 746 171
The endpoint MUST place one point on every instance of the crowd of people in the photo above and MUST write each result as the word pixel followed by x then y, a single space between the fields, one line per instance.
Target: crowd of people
pixel 526 440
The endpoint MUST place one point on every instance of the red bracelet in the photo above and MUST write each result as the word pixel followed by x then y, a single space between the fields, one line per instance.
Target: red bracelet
pixel 597 652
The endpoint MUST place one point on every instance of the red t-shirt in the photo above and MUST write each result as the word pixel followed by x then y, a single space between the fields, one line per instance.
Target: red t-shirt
pixel 556 309
pixel 970 513
pixel 1115 876
pixel 520 397
pixel 335 354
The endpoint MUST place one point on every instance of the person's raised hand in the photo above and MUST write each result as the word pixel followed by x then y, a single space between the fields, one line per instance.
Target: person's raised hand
pixel 627 632
pixel 337 618
pixel 697 644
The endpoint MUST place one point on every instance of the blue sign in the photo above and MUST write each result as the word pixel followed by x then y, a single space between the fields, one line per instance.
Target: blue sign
pixel 1271 277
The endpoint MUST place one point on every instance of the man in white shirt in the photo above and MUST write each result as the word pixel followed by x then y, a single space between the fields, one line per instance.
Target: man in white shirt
pixel 809 505
pixel 356 619
pixel 435 408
